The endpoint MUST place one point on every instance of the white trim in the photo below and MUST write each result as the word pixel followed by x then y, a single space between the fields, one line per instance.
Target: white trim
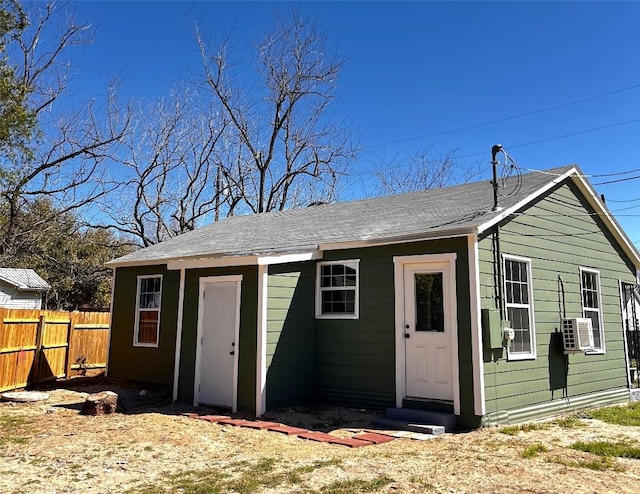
pixel 398 276
pixel 601 350
pixel 356 289
pixel 287 258
pixel 113 291
pixel 261 346
pixel 247 260
pixel 520 204
pixel 136 327
pixel 532 355
pixel 603 213
pixel 592 197
pixel 477 357
pixel 404 239
pixel 237 278
pixel 212 262
pixel 623 313
pixel 401 365
pixel 176 365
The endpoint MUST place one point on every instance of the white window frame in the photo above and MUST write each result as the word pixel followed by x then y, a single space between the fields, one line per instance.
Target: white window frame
pixel 319 290
pixel 600 349
pixel 139 309
pixel 511 355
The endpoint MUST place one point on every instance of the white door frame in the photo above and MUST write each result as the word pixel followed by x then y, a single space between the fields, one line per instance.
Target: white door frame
pixel 452 314
pixel 196 382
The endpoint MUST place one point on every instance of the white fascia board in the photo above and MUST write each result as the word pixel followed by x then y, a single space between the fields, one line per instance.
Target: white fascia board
pixel 211 262
pixel 133 264
pixel 608 219
pixel 509 211
pixel 593 199
pixel 379 242
pixel 287 258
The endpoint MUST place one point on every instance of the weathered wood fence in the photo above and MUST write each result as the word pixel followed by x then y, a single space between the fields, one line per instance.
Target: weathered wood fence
pixel 40 345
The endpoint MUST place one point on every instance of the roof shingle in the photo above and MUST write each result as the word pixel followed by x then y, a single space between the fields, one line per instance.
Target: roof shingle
pixel 434 212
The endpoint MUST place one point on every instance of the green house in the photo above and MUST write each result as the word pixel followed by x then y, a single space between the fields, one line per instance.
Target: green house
pixel 433 299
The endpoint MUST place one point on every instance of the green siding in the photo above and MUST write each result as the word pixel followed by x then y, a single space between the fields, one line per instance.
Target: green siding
pixel 559 237
pixel 153 365
pixel 355 359
pixel 246 346
pixel 290 334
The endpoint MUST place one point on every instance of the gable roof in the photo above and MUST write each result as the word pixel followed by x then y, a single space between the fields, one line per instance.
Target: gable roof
pixel 443 212
pixel 24 279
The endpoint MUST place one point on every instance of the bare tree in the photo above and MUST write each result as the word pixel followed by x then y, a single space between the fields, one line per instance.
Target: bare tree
pixel 421 170
pixel 66 158
pixel 282 147
pixel 172 175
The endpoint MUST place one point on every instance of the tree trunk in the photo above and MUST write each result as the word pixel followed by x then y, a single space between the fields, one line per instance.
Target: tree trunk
pixel 100 403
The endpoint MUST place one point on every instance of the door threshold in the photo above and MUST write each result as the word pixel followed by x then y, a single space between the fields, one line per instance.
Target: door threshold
pixel 432 405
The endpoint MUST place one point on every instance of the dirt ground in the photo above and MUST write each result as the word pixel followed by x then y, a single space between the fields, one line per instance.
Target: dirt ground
pixel 48 447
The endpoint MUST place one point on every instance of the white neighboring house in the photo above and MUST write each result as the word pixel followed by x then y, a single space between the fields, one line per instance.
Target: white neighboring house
pixel 21 289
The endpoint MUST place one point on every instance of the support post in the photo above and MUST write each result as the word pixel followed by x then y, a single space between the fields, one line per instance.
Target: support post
pixel 38 355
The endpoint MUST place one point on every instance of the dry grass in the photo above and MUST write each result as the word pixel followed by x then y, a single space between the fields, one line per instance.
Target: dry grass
pixel 49 447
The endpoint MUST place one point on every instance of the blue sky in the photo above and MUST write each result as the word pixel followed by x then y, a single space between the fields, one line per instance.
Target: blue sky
pixel 423 68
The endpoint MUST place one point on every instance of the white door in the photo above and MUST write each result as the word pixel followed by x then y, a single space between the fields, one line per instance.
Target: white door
pixel 427 331
pixel 219 319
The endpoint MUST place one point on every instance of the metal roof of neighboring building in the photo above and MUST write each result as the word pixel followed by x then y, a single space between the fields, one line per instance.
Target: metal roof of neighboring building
pixel 24 279
pixel 448 211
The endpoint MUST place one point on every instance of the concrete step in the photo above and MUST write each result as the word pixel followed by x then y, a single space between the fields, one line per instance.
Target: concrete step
pixel 403 425
pixel 414 416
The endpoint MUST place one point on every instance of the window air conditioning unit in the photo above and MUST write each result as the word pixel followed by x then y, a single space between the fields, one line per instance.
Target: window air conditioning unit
pixel 577 334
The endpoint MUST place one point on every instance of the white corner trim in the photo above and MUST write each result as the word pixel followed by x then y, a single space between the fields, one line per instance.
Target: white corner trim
pixel 398 290
pixel 176 365
pixel 287 258
pixel 509 211
pixel 113 291
pixel 477 359
pixel 623 313
pixel 261 346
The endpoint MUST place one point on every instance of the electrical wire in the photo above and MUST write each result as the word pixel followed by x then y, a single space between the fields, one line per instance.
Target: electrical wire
pixel 623 200
pixel 504 119
pixel 626 122
pixel 628 179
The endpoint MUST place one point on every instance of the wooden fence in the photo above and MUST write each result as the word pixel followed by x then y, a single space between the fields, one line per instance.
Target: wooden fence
pixel 40 345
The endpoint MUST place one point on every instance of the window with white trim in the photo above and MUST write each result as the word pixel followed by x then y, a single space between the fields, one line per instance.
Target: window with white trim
pixel 592 305
pixel 337 290
pixel 518 298
pixel 148 295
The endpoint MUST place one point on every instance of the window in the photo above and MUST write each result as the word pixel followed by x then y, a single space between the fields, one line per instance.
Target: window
pixel 519 306
pixel 147 311
pixel 337 290
pixel 591 304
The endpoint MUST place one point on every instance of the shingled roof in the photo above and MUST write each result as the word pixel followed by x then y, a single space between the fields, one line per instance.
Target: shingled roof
pixel 24 279
pixel 447 211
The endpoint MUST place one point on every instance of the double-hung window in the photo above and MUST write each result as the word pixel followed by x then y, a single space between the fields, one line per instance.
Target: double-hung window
pixel 592 304
pixel 518 297
pixel 148 295
pixel 337 290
